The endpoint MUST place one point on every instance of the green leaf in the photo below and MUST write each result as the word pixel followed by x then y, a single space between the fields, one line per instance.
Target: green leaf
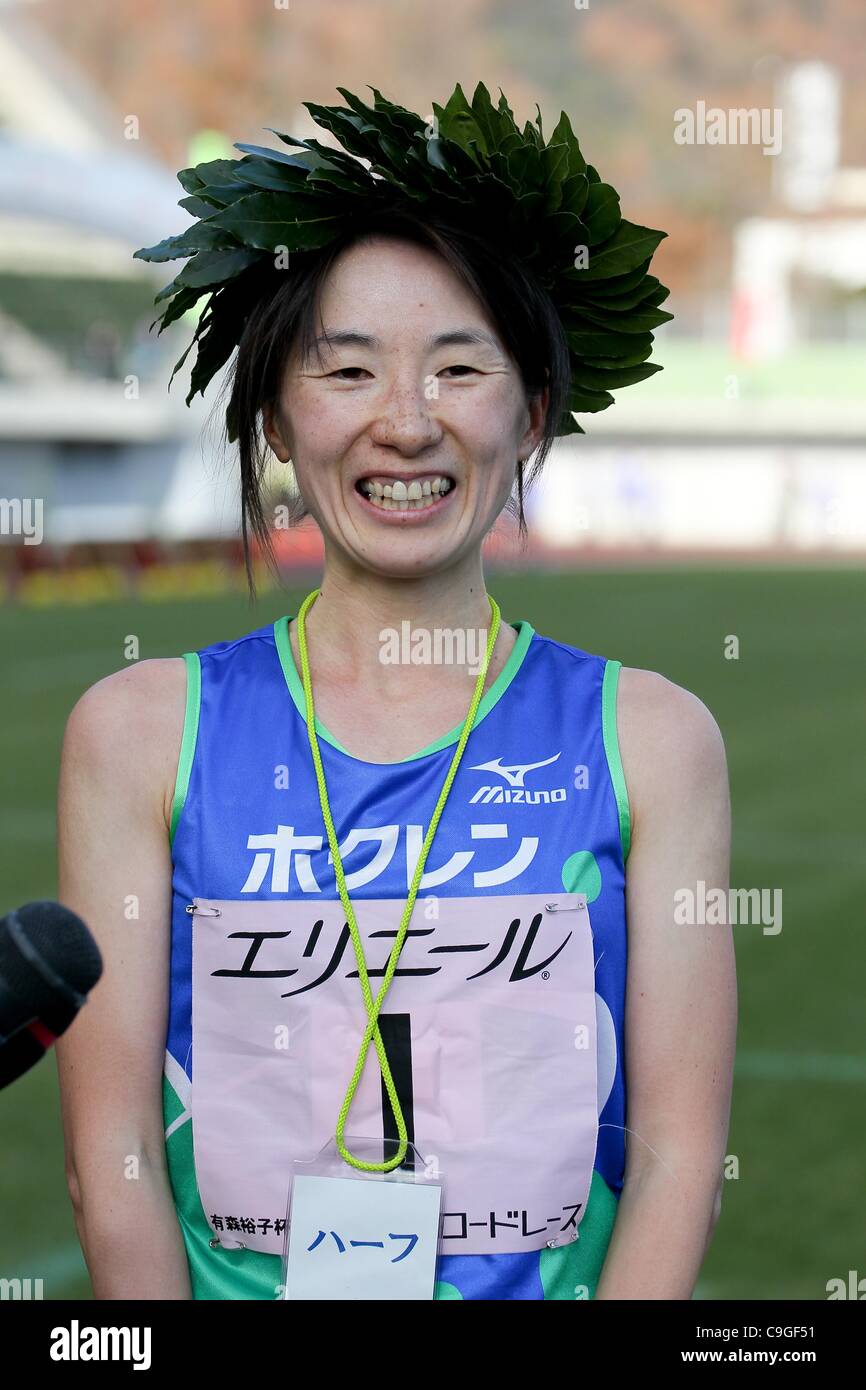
pixel 222 195
pixel 200 328
pixel 353 133
pixel 408 122
pixel 502 106
pixel 169 289
pixel 189 180
pixel 628 298
pixel 601 213
pixel 214 267
pixel 629 245
pixel 202 236
pixel 613 284
pixel 230 311
pixel 436 155
pixel 490 196
pixel 591 342
pixel 654 318
pixel 213 171
pixel 554 166
pixel 214 350
pixel 487 119
pixel 457 123
pixel 562 233
pixel 657 294
pixel 403 128
pixel 269 222
pixel 196 206
pixel 565 135
pixel 184 300
pixel 525 169
pixel 575 190
pixel 155 253
pixel 601 379
pixel 455 161
pixel 528 206
pixel 333 178
pixel 568 425
pixel 262 173
pixel 287 139
pixel 580 398
pixel 621 358
pixel 337 158
pixel 633 321
pixel 276 156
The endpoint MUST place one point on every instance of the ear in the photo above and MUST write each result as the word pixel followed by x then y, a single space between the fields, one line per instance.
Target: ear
pixel 273 433
pixel 537 406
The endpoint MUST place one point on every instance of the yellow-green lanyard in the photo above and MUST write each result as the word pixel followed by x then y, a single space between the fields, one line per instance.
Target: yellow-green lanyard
pixel 374 1006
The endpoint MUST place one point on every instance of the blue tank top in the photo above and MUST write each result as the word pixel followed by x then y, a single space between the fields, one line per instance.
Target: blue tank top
pixel 546 733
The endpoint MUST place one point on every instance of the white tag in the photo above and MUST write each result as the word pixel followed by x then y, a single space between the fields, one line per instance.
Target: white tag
pixel 362 1239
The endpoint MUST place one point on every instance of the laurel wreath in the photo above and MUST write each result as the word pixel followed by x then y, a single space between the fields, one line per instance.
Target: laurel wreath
pixel 541 201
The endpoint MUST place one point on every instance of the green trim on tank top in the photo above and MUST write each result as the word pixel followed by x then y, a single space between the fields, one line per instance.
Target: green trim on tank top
pixel 190 734
pixel 525 633
pixel 609 685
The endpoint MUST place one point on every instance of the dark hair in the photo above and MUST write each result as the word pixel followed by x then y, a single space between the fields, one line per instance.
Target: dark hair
pixel 284 311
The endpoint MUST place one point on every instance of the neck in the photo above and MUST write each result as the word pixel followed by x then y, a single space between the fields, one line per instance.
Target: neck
pixel 345 623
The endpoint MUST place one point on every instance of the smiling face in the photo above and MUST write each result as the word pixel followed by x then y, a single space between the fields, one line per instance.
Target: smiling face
pixel 405 431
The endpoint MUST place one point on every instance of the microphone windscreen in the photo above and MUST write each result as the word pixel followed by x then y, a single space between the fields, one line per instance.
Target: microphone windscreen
pixel 47 954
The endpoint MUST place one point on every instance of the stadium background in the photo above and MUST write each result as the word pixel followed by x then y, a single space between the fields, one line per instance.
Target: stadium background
pixel 725 496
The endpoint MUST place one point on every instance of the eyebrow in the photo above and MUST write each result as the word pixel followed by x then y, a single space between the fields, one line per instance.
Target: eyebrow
pixel 456 337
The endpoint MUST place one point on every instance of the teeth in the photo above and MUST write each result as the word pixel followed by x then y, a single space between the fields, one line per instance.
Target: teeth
pixel 397 496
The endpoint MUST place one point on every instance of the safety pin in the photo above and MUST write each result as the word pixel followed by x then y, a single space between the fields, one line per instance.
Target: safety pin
pixel 204 911
pixel 555 907
pixel 215 1241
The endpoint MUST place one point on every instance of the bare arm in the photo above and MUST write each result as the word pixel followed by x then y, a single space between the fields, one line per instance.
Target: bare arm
pixel 119 757
pixel 680 1021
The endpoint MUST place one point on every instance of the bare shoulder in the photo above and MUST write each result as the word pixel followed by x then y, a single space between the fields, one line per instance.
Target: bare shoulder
pixel 130 723
pixel 670 742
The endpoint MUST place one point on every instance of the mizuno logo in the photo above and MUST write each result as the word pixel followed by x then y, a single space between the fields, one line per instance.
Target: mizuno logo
pixel 515 772
pixel 515 792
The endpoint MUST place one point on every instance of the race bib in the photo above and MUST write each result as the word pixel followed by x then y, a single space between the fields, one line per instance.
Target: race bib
pixel 490 1030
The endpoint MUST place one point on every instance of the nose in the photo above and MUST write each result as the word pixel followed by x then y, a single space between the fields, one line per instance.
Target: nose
pixel 403 420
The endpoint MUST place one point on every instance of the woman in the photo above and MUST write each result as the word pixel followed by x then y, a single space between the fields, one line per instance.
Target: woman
pixel 406 355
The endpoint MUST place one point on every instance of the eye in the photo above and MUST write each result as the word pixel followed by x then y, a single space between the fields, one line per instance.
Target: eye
pixel 460 367
pixel 341 370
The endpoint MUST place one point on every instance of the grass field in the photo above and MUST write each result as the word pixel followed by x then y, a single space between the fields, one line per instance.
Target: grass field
pixel 792 710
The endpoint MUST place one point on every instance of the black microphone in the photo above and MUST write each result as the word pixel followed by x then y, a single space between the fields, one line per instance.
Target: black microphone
pixel 48 962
